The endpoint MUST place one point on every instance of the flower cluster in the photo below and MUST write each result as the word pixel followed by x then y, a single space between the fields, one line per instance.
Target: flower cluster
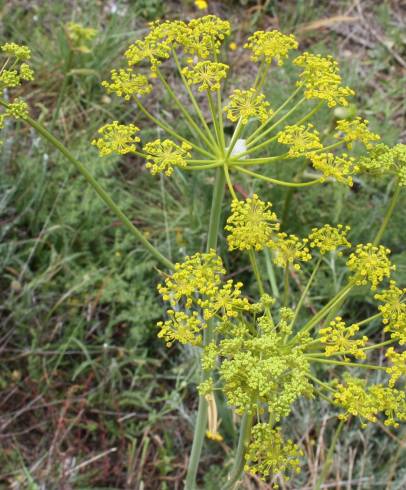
pixel 321 79
pixel 341 168
pixel 370 264
pixel 329 238
pixel 289 250
pixel 338 338
pixel 251 225
pixel 398 367
pixel 393 311
pixel 200 273
pixel 127 84
pixel 163 156
pixel 367 402
pixel 19 71
pixel 356 130
pixel 266 46
pixel 382 160
pixel 227 301
pixel 80 37
pixel 301 139
pixel 269 454
pixel 205 35
pixel 260 369
pixel 206 74
pixel 117 138
pixel 184 328
pixel 246 104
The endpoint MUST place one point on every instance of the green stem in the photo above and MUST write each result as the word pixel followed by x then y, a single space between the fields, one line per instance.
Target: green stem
pixel 388 214
pixel 278 110
pixel 275 181
pixel 201 418
pixel 342 363
pixel 324 311
pixel 286 285
pixel 185 112
pixel 235 160
pixel 229 183
pixel 99 190
pixel 279 121
pixel 311 113
pixel 239 460
pixel 257 274
pixel 214 118
pixel 305 291
pixel 193 99
pixel 234 138
pixel 170 131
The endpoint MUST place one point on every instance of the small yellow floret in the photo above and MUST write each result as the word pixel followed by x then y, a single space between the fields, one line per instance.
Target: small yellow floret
pixel 289 250
pixel 163 156
pixel 17 109
pixel 321 79
pixel 184 328
pixel 22 53
pixel 398 367
pixel 117 138
pixel 246 104
pixel 206 74
pixel 80 36
pixel 356 130
pixel 251 224
pixel 337 337
pixel 204 36
pixel 266 46
pixel 268 454
pixel 329 238
pixel 201 4
pixel 341 168
pixel 301 139
pixel 370 264
pixel 125 83
pixel 393 311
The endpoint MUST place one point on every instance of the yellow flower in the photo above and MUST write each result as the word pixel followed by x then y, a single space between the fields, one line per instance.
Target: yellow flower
pixel 233 46
pixel 22 53
pixel 382 160
pixel 337 338
pixel 206 74
pixel 199 274
pixel 398 367
pixel 184 328
pixel 204 36
pixel 268 454
pixel 162 156
pixel 328 238
pixel 288 250
pixel 80 36
pixel 301 139
pixel 341 168
pixel 266 46
pixel 251 224
pixel 117 138
pixel 17 109
pixel 356 130
pixel 227 301
pixel 245 104
pixel 321 79
pixel 370 264
pixel 394 311
pixel 367 403
pixel 125 83
pixel 201 4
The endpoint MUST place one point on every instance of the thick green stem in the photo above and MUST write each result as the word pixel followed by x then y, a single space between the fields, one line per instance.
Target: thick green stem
pixel 388 214
pixel 243 441
pixel 201 418
pixel 99 190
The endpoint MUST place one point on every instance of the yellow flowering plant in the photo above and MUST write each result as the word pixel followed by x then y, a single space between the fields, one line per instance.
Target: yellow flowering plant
pixel 263 353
